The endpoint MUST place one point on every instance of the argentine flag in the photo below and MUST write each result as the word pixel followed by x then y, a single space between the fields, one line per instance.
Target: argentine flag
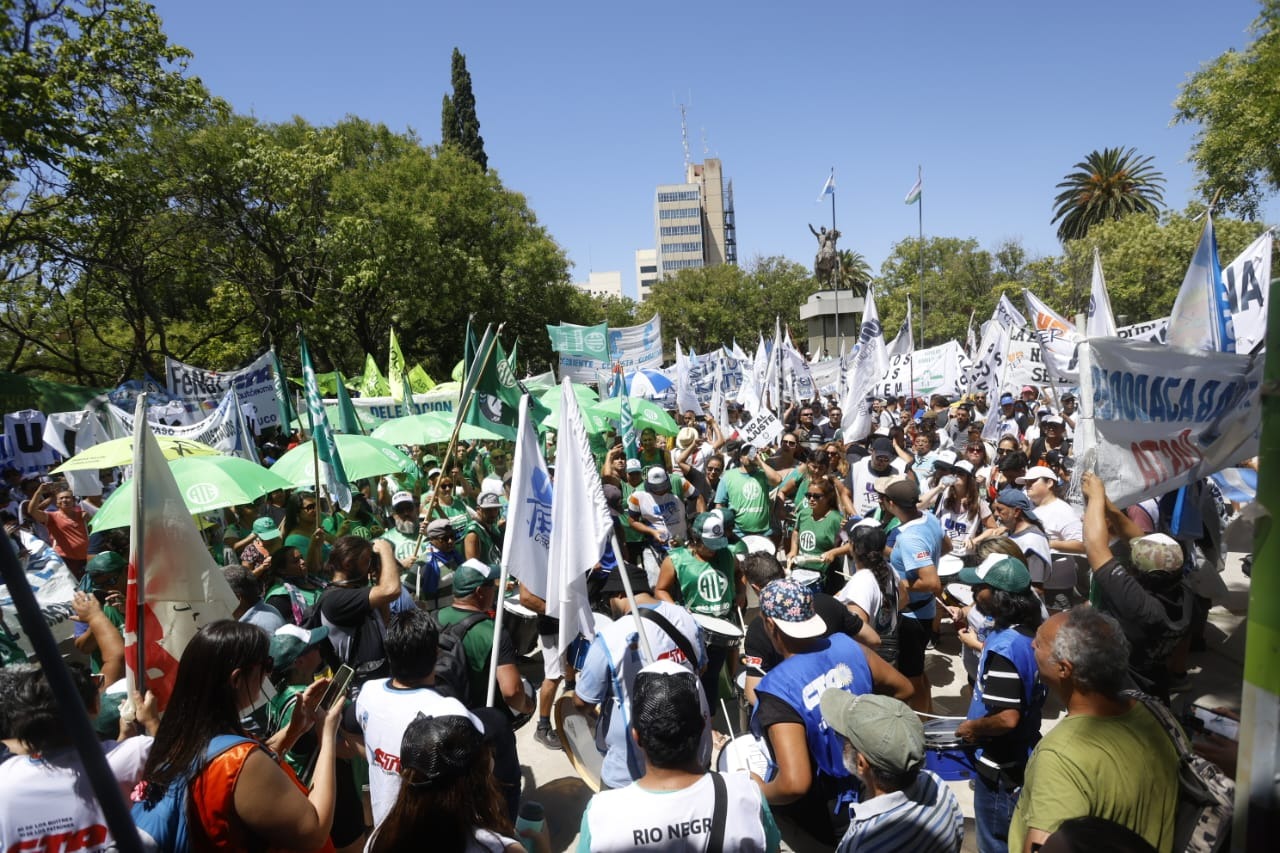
pixel 829 188
pixel 1201 316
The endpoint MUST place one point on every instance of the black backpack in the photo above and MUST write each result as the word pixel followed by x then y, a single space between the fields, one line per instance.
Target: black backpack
pixel 452 674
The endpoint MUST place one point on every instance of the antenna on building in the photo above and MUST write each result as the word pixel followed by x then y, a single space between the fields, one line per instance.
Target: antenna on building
pixel 684 134
pixel 706 151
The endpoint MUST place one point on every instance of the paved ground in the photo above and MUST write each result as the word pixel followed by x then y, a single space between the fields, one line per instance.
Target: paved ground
pixel 1215 680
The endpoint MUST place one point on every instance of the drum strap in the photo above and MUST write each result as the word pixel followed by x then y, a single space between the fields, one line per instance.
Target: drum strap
pixel 681 641
pixel 715 841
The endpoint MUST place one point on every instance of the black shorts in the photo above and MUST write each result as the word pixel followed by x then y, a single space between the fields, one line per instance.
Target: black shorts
pixel 913 638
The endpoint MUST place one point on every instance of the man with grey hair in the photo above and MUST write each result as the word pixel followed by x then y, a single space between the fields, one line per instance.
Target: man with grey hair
pixel 1110 757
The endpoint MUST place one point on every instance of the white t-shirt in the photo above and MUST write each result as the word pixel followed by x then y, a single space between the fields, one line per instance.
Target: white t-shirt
pixel 48 804
pixel 863 484
pixel 863 590
pixel 1060 520
pixel 1035 546
pixel 481 841
pixel 384 713
pixel 960 526
pixel 665 512
pixel 633 818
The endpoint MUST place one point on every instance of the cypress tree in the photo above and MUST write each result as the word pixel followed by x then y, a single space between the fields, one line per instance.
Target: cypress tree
pixel 459 124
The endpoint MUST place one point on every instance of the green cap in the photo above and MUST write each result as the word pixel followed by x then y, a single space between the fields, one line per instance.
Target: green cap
pixel 106 563
pixel 290 642
pixel 887 733
pixel 266 529
pixel 999 572
pixel 297 540
pixel 472 575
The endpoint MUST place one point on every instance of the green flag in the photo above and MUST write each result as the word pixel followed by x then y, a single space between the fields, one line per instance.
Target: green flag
pixel 420 380
pixel 373 384
pixel 511 359
pixel 496 402
pixel 332 475
pixel 283 397
pixel 582 341
pixel 396 374
pixel 348 420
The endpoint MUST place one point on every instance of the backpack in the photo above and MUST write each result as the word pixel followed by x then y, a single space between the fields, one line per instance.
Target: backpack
pixel 452 674
pixel 163 826
pixel 1206 795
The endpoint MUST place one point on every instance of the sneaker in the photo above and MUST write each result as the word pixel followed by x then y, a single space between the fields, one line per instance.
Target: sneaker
pixel 548 738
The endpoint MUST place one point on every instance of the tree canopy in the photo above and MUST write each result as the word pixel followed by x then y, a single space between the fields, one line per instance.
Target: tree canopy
pixel 459 124
pixel 1106 185
pixel 1236 103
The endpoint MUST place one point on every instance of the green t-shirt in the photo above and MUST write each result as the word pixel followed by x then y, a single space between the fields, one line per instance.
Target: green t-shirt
pixel 1124 769
pixel 279 713
pixel 404 545
pixel 628 532
pixel 748 496
pixel 490 550
pixel 817 535
pixel 478 644
pixel 706 588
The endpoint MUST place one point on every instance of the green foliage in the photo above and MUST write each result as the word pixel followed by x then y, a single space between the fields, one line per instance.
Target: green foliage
pixel 459 124
pixel 1236 103
pixel 855 272
pixel 1107 184
pixel 710 306
pixel 1144 259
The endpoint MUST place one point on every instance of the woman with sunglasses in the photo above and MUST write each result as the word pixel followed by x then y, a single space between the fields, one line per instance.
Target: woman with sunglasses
pixel 975 453
pixel 241 798
pixel 837 461
pixel 301 514
pixel 956 501
pixel 815 541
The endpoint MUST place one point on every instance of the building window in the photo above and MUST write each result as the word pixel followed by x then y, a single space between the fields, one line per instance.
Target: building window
pixel 672 248
pixel 680 230
pixel 682 195
pixel 651 270
pixel 680 213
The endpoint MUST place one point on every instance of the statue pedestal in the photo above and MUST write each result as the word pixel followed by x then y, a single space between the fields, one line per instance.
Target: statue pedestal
pixel 831 315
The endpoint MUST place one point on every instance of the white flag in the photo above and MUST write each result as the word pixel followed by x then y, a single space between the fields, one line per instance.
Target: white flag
pixel 1007 315
pixel 1248 280
pixel 866 366
pixel 580 524
pixel 1101 323
pixel 528 534
pixel 173 582
pixel 1058 339
pixel 1201 315
pixel 902 344
pixel 686 399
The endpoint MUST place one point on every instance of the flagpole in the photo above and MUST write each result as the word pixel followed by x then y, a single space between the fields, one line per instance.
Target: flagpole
pixel 620 565
pixel 453 440
pixel 836 271
pixel 138 535
pixel 920 248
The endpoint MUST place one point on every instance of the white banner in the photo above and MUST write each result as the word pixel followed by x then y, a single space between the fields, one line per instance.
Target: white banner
pixel 1248 279
pixel 219 430
pixel 929 371
pixel 253 383
pixel 1058 339
pixel 375 410
pixel 634 347
pixel 1159 418
pixel 761 430
pixel 1024 362
pixel 826 376
pixel 53 585
pixel 1152 331
pixel 987 372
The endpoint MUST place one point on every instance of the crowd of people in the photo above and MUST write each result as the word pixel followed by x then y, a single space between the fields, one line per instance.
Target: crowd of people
pixel 802 584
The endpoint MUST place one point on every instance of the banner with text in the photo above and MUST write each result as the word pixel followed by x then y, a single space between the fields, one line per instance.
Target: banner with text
pixel 936 370
pixel 1162 417
pixel 221 429
pixel 253 383
pixel 634 347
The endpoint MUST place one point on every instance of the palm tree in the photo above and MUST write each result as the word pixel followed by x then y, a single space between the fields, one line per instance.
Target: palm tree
pixel 855 272
pixel 1109 184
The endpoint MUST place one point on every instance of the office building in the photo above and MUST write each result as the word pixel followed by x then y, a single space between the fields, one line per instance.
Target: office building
pixel 646 272
pixel 694 221
pixel 602 284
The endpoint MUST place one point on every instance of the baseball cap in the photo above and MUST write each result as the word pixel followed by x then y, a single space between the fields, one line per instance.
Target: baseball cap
pixel 1006 399
pixel 290 642
pixel 657 478
pixel 1017 499
pixel 887 732
pixel 945 459
pixel 634 466
pixel 402 497
pixel 1156 552
pixel 1049 420
pixel 998 571
pixel 883 483
pixel 433 473
pixel 710 528
pixel 613 499
pixel 489 500
pixel 636 574
pixel 1067 396
pixel 106 563
pixel 883 446
pixel 790 606
pixel 1029 389
pixel 685 437
pixel 266 529
pixel 440 527
pixel 904 492
pixel 472 575
pixel 1036 473
pixel 443 747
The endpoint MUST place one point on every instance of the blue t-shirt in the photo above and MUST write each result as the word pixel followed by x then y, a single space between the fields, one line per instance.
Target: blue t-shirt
pixel 919 544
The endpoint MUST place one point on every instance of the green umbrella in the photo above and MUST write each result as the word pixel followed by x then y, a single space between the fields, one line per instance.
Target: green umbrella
pixel 119 451
pixel 206 483
pixel 585 394
pixel 595 424
pixel 643 412
pixel 428 428
pixel 362 457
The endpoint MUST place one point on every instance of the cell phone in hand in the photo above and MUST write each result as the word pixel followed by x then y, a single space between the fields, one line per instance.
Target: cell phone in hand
pixel 337 688
pixel 1215 723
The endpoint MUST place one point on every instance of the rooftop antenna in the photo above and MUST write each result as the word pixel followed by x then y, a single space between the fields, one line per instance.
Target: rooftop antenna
pixel 684 134
pixel 706 151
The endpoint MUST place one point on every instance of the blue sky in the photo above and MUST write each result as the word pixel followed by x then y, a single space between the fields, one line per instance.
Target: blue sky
pixel 578 102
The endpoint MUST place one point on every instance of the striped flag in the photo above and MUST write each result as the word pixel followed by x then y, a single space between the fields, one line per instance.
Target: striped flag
pixel 829 188
pixel 1201 315
pixel 397 374
pixel 332 474
pixel 914 195
pixel 626 423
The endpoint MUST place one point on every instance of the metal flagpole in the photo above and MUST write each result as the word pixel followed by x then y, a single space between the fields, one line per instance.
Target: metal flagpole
pixel 836 269
pixel 920 247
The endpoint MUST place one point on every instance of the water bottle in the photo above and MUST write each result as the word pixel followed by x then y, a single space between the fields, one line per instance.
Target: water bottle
pixel 533 818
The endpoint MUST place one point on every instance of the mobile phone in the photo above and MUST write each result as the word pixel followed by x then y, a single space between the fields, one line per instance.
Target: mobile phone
pixel 337 687
pixel 1216 723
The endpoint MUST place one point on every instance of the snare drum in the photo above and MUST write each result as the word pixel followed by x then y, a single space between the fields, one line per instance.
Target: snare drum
pixel 521 624
pixel 578 737
pixel 949 564
pixel 720 632
pixel 747 752
pixel 759 545
pixel 961 592
pixel 945 753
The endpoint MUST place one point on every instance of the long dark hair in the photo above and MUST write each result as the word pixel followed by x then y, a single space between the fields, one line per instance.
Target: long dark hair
pixel 968 488
pixel 203 703
pixel 868 552
pixel 293 511
pixel 346 554
pixel 446 805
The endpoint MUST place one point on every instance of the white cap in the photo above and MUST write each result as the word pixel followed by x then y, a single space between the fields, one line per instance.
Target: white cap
pixel 402 497
pixel 1036 473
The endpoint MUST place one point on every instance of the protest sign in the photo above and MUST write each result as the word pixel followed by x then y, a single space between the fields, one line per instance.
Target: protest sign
pixel 1157 418
pixel 634 347
pixel 221 429
pixel 930 371
pixel 253 383
pixel 761 430
pixel 375 410
pixel 1247 280
pixel 53 585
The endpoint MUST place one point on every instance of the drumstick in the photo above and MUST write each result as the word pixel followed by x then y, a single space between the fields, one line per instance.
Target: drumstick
pixel 741 619
pixel 727 720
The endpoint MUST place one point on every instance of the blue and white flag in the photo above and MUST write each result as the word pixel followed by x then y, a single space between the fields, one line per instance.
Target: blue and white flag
pixel 1201 316
pixel 902 344
pixel 866 366
pixel 528 535
pixel 1099 322
pixel 829 188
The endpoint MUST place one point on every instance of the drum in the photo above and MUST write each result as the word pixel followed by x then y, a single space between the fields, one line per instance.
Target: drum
pixel 961 592
pixel 577 735
pixel 521 625
pixel 809 578
pixel 949 565
pixel 720 632
pixel 759 545
pixel 747 752
pixel 945 754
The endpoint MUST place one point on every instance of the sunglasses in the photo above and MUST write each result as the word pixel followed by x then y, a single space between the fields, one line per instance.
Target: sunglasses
pixel 789 443
pixel 308 507
pixel 813 496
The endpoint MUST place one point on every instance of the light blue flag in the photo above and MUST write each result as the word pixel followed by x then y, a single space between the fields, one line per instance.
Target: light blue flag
pixel 829 188
pixel 1201 316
